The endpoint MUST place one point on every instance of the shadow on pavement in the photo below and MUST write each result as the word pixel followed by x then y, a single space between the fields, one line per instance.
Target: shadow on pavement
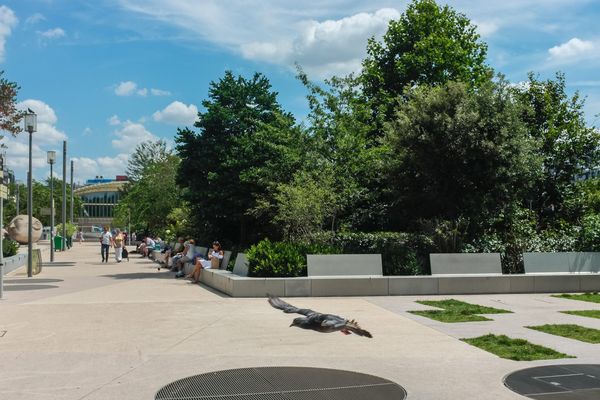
pixel 140 275
pixel 31 280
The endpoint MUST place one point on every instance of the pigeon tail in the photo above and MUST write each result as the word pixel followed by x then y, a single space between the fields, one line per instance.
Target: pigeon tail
pixel 353 327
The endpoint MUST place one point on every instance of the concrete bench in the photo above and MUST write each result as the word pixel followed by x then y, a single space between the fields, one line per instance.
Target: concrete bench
pixel 561 263
pixel 344 265
pixel 241 265
pixel 465 264
pixel 188 268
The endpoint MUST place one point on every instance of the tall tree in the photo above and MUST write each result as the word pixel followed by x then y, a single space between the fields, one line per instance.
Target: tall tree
pixel 241 149
pixel 457 153
pixel 429 44
pixel 568 146
pixel 9 115
pixel 144 155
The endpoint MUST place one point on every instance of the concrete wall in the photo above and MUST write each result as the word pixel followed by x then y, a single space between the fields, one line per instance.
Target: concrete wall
pixel 14 262
pixel 237 286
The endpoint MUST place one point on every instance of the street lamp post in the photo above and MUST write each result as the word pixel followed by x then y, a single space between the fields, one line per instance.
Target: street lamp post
pixel 64 198
pixel 51 159
pixel 30 126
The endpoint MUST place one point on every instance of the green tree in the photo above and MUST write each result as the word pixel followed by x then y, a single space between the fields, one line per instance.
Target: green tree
pixel 458 153
pixel 245 145
pixel 429 44
pixel 148 202
pixel 567 145
pixel 144 155
pixel 9 115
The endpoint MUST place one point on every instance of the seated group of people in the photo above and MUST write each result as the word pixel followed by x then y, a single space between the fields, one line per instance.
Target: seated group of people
pixel 148 244
pixel 186 251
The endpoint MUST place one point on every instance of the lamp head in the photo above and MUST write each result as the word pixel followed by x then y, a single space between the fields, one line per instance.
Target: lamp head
pixel 30 120
pixel 51 155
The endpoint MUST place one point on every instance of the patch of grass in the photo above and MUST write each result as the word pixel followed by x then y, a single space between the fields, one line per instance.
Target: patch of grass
pixel 593 297
pixel 456 311
pixel 462 307
pixel 449 316
pixel 570 331
pixel 514 349
pixel 584 313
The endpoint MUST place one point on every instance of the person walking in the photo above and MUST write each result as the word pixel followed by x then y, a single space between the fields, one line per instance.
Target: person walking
pixel 119 241
pixel 80 236
pixel 105 240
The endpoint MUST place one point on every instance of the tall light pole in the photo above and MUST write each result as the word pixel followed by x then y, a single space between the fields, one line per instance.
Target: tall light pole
pixel 4 192
pixel 30 126
pixel 51 159
pixel 64 198
pixel 71 214
pixel 17 206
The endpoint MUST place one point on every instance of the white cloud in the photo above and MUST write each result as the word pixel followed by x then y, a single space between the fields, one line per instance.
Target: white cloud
pixel 142 92
pixel 54 33
pixel 114 120
pixel 177 113
pixel 572 50
pixel 47 137
pixel 486 28
pixel 159 92
pixel 87 131
pixel 87 168
pixel 8 20
pixel 34 19
pixel 130 135
pixel 126 88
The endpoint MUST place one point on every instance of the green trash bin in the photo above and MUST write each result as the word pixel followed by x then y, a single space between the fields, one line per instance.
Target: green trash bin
pixel 58 243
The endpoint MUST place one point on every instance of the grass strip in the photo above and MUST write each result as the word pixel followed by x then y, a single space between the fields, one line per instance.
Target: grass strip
pixel 590 297
pixel 449 316
pixel 570 331
pixel 584 313
pixel 514 349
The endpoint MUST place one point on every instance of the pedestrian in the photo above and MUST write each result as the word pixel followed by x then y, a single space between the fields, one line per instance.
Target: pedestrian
pixel 105 240
pixel 80 235
pixel 118 242
pixel 134 238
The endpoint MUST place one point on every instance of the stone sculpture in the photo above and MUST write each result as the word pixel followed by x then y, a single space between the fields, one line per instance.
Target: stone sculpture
pixel 17 229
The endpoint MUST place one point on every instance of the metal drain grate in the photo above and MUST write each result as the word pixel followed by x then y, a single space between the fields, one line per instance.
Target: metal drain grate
pixel 282 383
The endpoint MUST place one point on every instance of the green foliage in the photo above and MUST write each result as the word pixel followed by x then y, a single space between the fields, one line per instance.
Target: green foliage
pixel 246 145
pixel 584 313
pixel 514 349
pixel 9 115
pixel 570 331
pixel 9 247
pixel 430 45
pixel 281 259
pixel 401 253
pixel 456 311
pixel 591 297
pixel 457 154
pixel 70 229
pixel 148 202
pixel 145 155
pixel 567 146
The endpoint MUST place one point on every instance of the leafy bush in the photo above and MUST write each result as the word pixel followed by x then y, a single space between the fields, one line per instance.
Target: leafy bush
pixel 281 259
pixel 70 228
pixel 401 253
pixel 9 247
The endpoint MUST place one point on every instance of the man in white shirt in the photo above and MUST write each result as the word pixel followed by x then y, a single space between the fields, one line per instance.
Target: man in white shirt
pixel 105 241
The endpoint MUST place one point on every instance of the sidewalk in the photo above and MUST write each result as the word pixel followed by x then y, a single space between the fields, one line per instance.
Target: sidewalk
pixel 87 330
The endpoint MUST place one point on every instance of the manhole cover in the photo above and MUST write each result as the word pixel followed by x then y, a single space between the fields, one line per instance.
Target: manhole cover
pixel 557 382
pixel 282 383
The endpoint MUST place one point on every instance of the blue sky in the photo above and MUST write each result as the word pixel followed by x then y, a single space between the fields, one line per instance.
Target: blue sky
pixel 108 74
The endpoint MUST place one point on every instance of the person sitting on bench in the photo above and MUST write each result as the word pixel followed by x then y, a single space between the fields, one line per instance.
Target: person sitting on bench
pixel 214 261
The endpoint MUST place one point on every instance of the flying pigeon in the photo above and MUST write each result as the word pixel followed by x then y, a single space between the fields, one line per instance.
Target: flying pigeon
pixel 324 323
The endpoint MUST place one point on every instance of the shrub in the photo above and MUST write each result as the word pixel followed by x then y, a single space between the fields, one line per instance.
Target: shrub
pixel 281 259
pixel 401 253
pixel 70 229
pixel 9 247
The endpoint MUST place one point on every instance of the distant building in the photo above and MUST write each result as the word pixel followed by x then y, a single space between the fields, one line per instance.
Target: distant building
pixel 100 196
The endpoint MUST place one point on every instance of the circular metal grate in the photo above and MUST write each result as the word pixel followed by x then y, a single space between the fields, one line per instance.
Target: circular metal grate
pixel 557 382
pixel 282 383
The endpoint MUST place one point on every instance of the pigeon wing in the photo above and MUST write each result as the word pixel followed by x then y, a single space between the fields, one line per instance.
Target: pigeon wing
pixel 287 308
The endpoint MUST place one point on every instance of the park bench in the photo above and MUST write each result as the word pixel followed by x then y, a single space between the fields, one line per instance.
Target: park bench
pixel 344 264
pixel 465 264
pixel 561 263
pixel 240 267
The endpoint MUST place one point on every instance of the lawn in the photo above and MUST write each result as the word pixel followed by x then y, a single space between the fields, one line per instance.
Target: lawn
pixel 584 313
pixel 456 311
pixel 591 297
pixel 581 333
pixel 514 349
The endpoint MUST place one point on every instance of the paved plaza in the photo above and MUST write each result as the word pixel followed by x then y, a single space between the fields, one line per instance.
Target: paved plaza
pixel 87 330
